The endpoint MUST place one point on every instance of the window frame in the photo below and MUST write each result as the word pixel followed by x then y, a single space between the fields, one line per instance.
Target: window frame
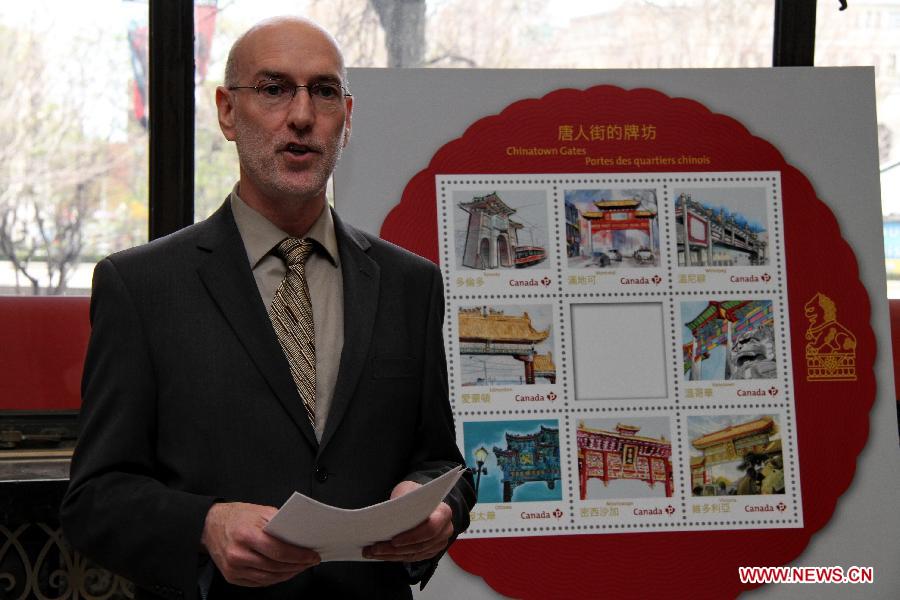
pixel 171 168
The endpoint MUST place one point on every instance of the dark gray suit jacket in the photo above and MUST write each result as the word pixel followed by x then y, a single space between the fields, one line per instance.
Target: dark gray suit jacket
pixel 188 399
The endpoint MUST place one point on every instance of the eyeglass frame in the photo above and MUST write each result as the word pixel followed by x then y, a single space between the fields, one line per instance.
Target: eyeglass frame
pixel 294 88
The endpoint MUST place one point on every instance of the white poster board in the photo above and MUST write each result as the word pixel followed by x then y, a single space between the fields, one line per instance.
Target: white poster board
pixel 822 120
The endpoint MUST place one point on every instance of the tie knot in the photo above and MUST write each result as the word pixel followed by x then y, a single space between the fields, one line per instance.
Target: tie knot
pixel 295 251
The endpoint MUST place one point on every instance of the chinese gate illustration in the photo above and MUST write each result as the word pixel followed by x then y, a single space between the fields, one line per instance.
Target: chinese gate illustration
pixel 487 331
pixel 529 457
pixel 622 454
pixel 744 328
pixel 609 225
pixel 741 459
pixel 715 238
pixel 491 235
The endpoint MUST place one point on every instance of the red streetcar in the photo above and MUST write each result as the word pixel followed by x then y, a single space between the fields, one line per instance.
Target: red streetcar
pixel 527 256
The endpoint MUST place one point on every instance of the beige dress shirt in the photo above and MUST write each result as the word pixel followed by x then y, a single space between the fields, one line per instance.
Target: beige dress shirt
pixel 323 277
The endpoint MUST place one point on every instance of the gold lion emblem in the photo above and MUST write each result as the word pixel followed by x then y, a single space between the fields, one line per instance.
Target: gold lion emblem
pixel 830 347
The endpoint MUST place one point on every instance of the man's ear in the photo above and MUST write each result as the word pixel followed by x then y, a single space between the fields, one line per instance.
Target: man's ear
pixel 225 108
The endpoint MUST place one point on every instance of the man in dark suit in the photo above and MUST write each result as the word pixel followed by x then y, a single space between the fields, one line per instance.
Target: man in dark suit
pixel 199 416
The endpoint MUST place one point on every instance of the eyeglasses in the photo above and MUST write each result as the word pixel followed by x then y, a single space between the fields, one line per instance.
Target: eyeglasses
pixel 326 96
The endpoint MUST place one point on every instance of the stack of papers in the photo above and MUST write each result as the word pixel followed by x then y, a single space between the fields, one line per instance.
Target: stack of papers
pixel 341 534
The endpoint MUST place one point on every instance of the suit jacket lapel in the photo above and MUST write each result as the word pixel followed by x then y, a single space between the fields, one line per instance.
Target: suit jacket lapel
pixel 361 276
pixel 227 276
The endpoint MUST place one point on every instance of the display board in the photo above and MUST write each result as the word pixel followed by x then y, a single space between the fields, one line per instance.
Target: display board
pixel 643 340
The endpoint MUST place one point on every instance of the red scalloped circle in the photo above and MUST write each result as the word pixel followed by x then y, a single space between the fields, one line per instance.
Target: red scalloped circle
pixel 831 417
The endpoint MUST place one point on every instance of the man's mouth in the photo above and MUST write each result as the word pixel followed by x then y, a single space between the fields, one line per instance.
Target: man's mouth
pixel 298 149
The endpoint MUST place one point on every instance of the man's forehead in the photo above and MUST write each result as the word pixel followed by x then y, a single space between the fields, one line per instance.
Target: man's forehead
pixel 290 49
pixel 264 73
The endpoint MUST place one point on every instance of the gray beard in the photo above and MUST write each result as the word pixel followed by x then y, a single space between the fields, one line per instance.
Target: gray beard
pixel 255 164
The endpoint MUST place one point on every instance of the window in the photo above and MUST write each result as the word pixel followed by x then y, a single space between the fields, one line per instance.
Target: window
pixel 73 140
pixel 497 34
pixel 872 38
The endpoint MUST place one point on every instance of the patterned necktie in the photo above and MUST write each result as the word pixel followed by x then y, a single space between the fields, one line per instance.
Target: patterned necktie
pixel 292 317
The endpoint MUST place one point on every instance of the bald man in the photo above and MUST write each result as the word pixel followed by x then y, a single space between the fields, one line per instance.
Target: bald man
pixel 207 400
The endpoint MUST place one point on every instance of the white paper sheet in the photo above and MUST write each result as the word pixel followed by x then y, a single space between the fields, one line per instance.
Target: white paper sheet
pixel 340 533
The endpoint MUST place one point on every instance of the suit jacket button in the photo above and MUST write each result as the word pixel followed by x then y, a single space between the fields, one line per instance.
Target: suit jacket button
pixel 321 474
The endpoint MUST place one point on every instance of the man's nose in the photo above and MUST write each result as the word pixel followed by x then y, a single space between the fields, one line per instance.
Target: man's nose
pixel 301 112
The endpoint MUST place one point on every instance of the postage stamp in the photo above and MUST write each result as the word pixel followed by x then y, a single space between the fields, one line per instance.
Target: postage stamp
pixel 618 350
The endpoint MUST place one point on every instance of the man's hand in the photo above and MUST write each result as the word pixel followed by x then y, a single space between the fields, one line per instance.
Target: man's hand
pixel 426 540
pixel 244 553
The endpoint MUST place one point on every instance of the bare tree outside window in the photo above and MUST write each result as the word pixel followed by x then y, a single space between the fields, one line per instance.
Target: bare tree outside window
pixel 403 22
pixel 72 186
